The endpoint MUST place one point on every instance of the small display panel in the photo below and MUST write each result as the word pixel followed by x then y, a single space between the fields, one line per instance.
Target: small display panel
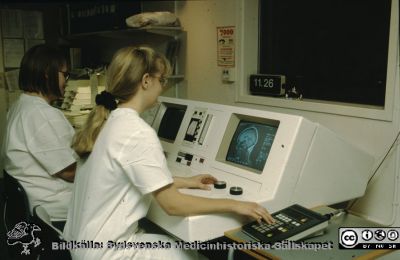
pixel 170 123
pixel 251 144
pixel 192 128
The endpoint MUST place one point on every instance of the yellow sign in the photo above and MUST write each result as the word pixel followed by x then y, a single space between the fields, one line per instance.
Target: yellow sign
pixel 226 46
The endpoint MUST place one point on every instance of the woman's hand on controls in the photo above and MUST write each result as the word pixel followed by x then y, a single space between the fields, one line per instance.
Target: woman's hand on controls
pixel 253 210
pixel 201 181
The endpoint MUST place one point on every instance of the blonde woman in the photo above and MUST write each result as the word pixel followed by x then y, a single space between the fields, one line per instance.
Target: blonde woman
pixel 124 166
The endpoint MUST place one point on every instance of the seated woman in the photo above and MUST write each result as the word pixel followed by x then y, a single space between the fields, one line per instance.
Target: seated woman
pixel 124 167
pixel 38 137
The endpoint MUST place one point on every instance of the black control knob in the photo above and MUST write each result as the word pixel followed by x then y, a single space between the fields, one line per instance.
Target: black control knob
pixel 219 185
pixel 236 190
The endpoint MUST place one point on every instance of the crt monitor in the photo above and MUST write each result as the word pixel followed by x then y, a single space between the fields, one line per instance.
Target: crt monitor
pixel 247 142
pixel 170 123
pixel 250 144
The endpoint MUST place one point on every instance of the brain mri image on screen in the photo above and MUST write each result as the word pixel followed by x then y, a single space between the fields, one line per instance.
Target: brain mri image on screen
pixel 246 141
pixel 251 143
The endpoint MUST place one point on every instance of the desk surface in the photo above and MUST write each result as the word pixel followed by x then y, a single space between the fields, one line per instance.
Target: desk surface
pixel 330 234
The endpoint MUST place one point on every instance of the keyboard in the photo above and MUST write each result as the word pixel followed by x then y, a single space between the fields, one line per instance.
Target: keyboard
pixel 292 223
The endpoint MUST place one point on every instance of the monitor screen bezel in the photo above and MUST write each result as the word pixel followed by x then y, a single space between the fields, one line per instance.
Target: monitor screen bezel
pixel 160 115
pixel 230 130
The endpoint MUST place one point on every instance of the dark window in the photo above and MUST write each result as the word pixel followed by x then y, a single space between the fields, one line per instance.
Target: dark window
pixel 333 50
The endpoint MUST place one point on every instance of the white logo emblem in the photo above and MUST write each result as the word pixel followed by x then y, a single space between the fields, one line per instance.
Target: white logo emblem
pixel 348 238
pixel 22 233
pixel 367 235
pixel 392 235
pixel 380 234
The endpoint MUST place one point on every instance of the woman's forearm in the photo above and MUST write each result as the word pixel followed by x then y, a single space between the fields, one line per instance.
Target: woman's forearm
pixel 180 182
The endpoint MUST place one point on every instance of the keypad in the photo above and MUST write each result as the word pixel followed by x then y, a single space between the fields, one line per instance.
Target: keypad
pixel 282 224
pixel 288 222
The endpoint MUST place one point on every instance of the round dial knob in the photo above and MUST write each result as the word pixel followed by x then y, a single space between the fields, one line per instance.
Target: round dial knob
pixel 236 190
pixel 219 185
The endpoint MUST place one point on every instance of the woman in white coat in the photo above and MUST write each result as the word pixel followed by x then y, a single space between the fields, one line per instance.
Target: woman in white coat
pixel 124 166
pixel 37 142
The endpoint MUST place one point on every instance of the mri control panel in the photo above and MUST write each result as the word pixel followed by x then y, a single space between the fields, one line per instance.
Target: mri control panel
pixel 270 158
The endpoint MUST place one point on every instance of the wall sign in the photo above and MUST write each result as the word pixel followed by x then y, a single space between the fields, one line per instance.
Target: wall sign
pixel 226 46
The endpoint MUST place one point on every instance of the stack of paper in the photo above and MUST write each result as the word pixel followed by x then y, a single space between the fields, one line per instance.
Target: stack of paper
pixel 77 96
pixel 77 101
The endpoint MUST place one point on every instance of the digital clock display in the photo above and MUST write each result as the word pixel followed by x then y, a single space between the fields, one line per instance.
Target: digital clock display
pixel 268 85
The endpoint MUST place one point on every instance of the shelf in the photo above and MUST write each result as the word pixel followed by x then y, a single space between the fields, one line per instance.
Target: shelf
pixel 169 31
pixel 175 79
pixel 99 47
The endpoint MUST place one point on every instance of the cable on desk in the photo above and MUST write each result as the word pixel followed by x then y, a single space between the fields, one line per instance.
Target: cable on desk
pixel 335 213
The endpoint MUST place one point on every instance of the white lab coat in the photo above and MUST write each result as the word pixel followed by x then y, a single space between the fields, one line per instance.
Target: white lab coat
pixel 37 145
pixel 113 190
